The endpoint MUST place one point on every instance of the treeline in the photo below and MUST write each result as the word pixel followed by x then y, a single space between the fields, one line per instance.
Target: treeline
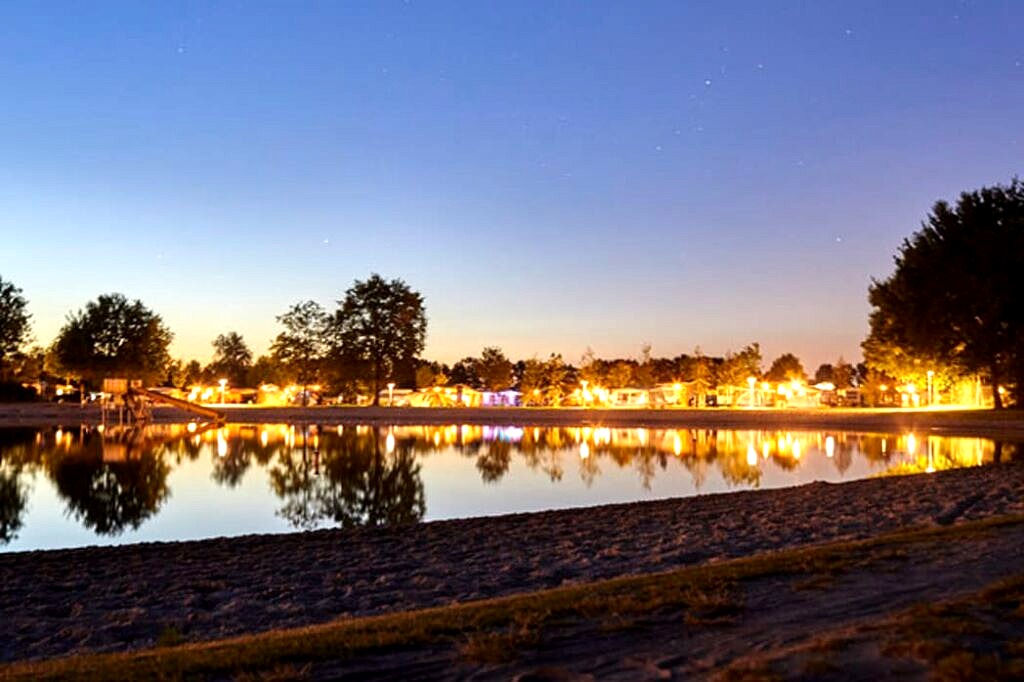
pixel 374 337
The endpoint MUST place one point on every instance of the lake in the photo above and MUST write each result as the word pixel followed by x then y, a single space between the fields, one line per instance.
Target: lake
pixel 72 487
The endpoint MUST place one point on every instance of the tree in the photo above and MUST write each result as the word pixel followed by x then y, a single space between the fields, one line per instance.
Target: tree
pixel 192 373
pixel 267 370
pixel 954 303
pixel 786 367
pixel 644 374
pixel 114 337
pixel 381 325
pixel 14 323
pixel 303 344
pixel 494 369
pixel 738 367
pixel 232 358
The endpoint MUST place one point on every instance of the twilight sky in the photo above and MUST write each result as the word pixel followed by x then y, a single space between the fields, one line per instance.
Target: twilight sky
pixel 550 175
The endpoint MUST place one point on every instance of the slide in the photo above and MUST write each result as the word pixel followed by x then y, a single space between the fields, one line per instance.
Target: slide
pixel 194 408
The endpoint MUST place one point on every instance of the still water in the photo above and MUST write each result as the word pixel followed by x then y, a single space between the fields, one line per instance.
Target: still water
pixel 85 486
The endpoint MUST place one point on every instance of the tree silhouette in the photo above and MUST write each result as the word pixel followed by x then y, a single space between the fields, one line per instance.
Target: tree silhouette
pixel 302 346
pixel 232 358
pixel 114 337
pixel 14 323
pixel 786 367
pixel 954 301
pixel 381 325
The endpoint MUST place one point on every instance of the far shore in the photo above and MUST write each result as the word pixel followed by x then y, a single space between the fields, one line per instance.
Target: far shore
pixel 1004 424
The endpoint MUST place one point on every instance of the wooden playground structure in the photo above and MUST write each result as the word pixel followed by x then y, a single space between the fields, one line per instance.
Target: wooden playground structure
pixel 132 404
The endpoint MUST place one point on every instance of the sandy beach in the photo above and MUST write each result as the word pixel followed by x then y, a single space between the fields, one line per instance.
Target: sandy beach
pixel 1008 425
pixel 117 598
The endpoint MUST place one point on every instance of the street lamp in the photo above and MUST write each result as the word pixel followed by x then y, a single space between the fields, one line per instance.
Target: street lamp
pixel 223 384
pixel 391 394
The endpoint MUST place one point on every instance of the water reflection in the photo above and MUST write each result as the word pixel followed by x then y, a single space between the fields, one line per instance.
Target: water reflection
pixel 113 482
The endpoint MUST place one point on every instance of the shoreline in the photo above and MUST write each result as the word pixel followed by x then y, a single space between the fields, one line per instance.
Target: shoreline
pixel 223 587
pixel 1006 424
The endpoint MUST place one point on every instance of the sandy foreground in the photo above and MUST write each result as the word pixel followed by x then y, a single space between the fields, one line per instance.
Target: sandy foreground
pixel 1007 425
pixel 118 598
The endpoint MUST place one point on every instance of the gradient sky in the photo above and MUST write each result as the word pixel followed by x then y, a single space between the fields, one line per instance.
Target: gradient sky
pixel 550 175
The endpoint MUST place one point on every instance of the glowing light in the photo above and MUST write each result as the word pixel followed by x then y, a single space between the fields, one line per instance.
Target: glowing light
pixel 389 443
pixel 911 444
pixel 100 428
pixel 765 449
pixel 796 449
pixel 751 455
pixel 264 438
pixel 641 435
pixel 191 428
pixel 437 439
pixel 584 450
pixel 222 444
pixel 677 444
pixel 830 446
pixel 883 446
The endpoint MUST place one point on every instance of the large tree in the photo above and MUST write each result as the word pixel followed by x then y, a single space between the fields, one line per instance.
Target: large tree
pixel 14 323
pixel 382 326
pixel 954 303
pixel 232 358
pixel 114 337
pixel 302 346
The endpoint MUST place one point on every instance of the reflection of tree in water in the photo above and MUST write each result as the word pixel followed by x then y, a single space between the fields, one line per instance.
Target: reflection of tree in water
pixel 13 498
pixel 230 468
pixel 351 481
pixel 494 461
pixel 16 451
pixel 111 496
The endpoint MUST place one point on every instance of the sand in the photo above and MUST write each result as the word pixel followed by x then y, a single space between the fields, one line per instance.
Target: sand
pixel 116 598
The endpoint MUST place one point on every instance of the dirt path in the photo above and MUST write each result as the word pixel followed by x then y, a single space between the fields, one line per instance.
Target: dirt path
pixel 116 598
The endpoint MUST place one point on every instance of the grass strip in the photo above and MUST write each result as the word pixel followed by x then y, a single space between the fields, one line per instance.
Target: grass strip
pixel 703 592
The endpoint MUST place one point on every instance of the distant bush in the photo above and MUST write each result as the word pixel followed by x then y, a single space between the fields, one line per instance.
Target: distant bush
pixel 13 392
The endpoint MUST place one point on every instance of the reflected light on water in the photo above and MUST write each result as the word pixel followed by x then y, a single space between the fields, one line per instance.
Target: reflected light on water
pixel 171 482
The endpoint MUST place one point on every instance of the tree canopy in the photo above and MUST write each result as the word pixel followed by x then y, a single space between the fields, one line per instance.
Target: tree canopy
pixel 114 337
pixel 494 369
pixel 381 326
pixel 303 345
pixel 14 322
pixel 954 302
pixel 786 367
pixel 232 358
